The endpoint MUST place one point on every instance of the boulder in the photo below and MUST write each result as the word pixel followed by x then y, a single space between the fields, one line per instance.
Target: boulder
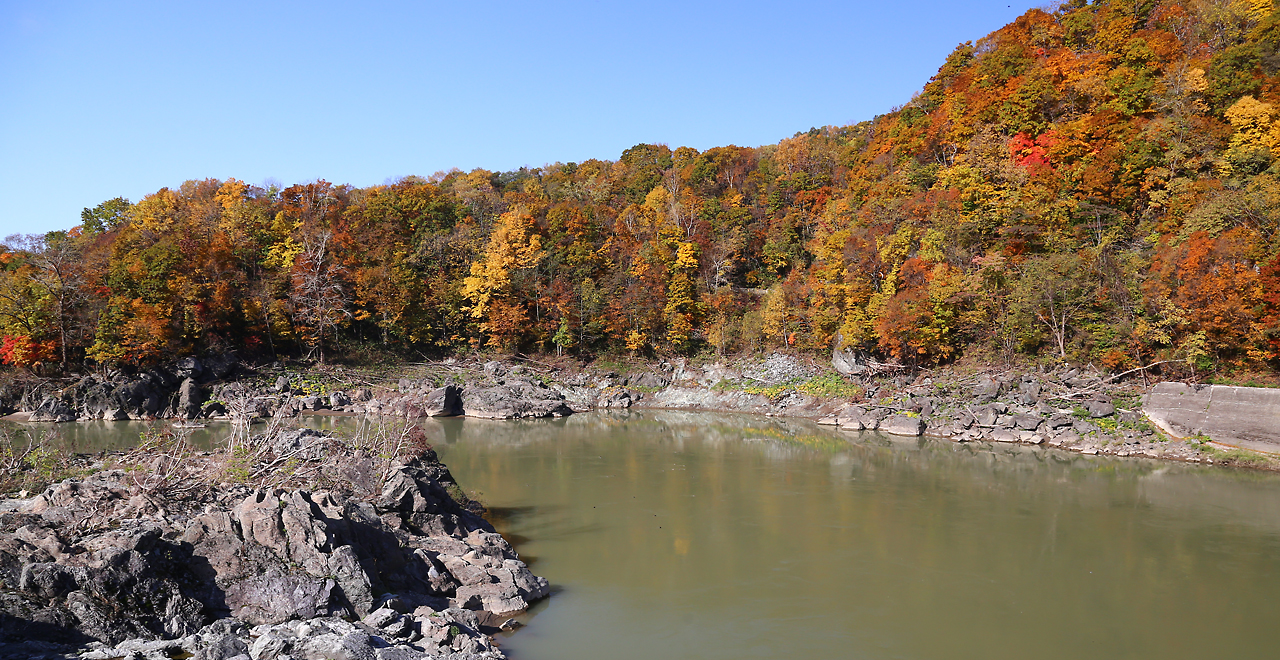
pixel 1060 421
pixel 514 400
pixel 1099 408
pixel 188 367
pixel 986 390
pixel 1005 435
pixel 190 398
pixel 1027 422
pixel 494 369
pixel 650 381
pixel 846 362
pixel 902 425
pixel 443 402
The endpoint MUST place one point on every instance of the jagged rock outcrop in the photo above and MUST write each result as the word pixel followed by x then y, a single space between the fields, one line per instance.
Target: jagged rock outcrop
pixel 95 560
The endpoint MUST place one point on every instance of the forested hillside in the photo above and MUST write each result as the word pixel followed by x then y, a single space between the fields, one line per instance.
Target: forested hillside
pixel 1095 182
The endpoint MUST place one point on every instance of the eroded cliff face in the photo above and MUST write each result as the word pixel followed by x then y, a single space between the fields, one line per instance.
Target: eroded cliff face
pixel 100 564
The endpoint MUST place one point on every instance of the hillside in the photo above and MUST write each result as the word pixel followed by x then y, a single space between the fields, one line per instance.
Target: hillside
pixel 1094 183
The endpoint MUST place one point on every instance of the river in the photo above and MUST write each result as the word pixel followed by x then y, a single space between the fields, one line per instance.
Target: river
pixel 682 535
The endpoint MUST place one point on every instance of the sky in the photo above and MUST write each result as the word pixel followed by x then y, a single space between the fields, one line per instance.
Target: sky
pixel 106 99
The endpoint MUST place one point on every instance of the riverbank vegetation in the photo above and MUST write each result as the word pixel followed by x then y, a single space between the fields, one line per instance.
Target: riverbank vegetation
pixel 1091 182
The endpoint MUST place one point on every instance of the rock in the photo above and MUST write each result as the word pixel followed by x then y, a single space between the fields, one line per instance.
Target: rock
pixel 848 363
pixel 190 398
pixel 276 598
pixel 650 381
pixel 515 400
pixel 53 409
pixel 902 425
pixel 1005 435
pixel 985 416
pixel 1099 408
pixel 286 561
pixel 852 424
pixel 777 368
pixel 1060 421
pixel 188 367
pixel 443 402
pixel 1027 422
pixel 494 369
pixel 986 390
pixel 617 398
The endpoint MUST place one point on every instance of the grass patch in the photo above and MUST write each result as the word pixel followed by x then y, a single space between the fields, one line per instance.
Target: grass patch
pixel 830 386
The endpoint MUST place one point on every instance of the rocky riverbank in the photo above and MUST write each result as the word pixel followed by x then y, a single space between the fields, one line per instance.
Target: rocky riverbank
pixel 294 544
pixel 1071 408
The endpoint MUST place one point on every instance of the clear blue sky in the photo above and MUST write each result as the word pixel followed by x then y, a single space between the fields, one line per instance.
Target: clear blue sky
pixel 106 99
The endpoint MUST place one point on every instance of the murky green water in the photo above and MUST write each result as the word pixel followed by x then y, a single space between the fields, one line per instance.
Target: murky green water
pixel 675 535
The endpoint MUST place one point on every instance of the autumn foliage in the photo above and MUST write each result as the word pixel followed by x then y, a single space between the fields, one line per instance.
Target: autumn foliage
pixel 1099 182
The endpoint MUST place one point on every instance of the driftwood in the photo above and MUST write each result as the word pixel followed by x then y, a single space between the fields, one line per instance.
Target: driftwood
pixel 1093 389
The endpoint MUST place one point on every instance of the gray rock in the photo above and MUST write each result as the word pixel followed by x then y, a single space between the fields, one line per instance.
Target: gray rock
pixel 846 362
pixel 188 367
pixel 443 402
pixel 650 381
pixel 902 425
pixel 1099 408
pixel 223 647
pixel 276 598
pixel 190 398
pixel 1005 435
pixel 517 399
pixel 53 409
pixel 1060 421
pixel 986 390
pixel 1027 422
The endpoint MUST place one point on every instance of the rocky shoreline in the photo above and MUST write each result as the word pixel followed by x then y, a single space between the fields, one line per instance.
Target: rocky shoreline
pixel 162 559
pixel 1069 408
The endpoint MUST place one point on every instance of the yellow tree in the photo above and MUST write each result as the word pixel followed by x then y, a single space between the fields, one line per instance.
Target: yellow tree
pixel 512 247
pixel 682 307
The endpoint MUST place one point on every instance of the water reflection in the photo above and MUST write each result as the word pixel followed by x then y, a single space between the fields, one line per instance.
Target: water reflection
pixel 708 536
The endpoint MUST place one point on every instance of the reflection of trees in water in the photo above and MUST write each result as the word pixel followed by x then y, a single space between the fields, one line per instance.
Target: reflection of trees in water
pixel 725 508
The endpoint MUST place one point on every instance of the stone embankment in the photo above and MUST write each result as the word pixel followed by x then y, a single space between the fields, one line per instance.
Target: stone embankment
pixel 1246 417
pixel 122 565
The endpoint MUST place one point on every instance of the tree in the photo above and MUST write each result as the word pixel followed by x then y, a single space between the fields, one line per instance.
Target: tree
pixel 57 278
pixel 105 216
pixel 1054 289
pixel 512 247
pixel 318 296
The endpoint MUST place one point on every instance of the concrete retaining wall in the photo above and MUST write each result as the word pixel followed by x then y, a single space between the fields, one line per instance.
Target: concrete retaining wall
pixel 1246 417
